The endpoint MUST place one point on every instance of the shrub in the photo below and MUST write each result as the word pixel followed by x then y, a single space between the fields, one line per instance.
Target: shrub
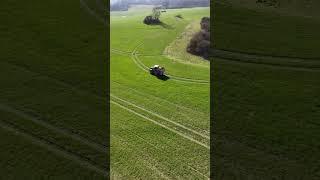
pixel 205 23
pixel 200 42
pixel 150 20
pixel 179 16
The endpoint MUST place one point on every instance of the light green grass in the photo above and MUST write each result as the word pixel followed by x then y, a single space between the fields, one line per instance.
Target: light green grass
pixel 176 51
pixel 152 127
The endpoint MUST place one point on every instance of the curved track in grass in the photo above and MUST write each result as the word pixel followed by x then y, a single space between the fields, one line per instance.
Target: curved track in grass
pixel 58 150
pixel 184 130
pixel 135 56
pixel 304 64
pixel 268 60
pixel 142 66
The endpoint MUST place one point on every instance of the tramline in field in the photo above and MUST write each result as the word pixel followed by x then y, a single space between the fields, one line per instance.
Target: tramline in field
pixel 165 140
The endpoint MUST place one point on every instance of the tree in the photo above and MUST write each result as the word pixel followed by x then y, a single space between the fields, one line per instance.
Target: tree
pixel 156 13
pixel 154 18
pixel 200 42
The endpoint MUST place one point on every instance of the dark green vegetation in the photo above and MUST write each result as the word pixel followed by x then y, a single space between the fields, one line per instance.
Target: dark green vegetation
pixel 267 109
pixel 159 129
pixel 269 33
pixel 52 96
pixel 154 18
pixel 200 42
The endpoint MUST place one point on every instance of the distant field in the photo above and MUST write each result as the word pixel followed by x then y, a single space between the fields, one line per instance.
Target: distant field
pixel 267 108
pixel 306 8
pixel 159 129
pixel 251 30
pixel 52 97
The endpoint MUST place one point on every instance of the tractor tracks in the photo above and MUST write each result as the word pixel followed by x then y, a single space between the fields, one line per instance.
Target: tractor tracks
pixel 59 150
pixel 94 145
pixel 85 140
pixel 55 149
pixel 268 60
pixel 302 64
pixel 161 117
pixel 139 63
pixel 171 129
pixel 90 143
pixel 159 124
pixel 191 134
pixel 164 150
pixel 135 57
pixel 184 108
pixel 93 13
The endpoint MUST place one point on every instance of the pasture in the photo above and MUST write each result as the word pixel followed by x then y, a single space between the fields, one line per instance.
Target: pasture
pixel 159 129
pixel 266 93
pixel 52 98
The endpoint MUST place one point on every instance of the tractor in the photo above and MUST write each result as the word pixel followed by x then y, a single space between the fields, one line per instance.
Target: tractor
pixel 157 70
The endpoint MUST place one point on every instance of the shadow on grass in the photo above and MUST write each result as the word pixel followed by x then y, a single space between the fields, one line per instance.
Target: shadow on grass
pixel 166 26
pixel 163 77
pixel 162 24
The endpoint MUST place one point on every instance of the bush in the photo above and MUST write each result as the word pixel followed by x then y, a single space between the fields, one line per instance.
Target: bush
pixel 205 24
pixel 200 42
pixel 154 18
pixel 179 16
pixel 150 20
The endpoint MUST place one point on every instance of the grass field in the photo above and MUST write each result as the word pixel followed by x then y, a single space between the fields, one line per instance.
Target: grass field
pixel 52 100
pixel 269 33
pixel 159 129
pixel 267 105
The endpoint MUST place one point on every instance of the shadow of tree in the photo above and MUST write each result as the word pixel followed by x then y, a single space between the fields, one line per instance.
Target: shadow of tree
pixel 166 26
pixel 162 24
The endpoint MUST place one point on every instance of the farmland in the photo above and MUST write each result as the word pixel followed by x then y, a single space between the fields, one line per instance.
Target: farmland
pixel 159 129
pixel 266 88
pixel 52 100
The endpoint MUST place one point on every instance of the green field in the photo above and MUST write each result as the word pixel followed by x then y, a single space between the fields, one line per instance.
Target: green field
pixel 267 33
pixel 53 121
pixel 266 93
pixel 159 129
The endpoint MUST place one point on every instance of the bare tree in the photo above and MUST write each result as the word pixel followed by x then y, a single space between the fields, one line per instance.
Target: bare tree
pixel 156 13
